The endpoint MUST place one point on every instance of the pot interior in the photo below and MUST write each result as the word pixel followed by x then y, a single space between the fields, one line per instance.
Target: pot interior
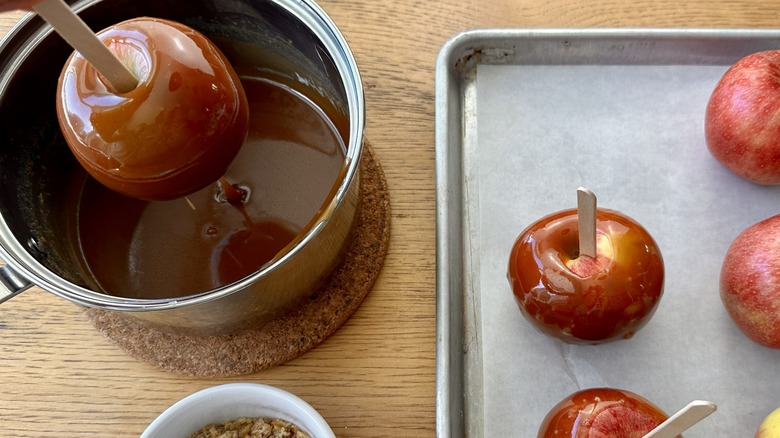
pixel 40 177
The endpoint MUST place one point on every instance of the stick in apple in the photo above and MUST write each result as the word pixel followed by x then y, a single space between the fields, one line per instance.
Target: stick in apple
pixel 79 36
pixel 586 218
pixel 76 33
pixel 681 421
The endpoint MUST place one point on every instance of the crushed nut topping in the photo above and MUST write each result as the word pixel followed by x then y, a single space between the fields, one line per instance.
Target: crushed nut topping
pixel 251 428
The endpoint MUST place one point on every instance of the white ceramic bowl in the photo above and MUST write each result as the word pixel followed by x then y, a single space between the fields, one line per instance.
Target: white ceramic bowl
pixel 230 401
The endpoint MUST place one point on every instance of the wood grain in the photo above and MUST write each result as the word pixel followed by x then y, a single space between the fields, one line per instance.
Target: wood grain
pixel 376 376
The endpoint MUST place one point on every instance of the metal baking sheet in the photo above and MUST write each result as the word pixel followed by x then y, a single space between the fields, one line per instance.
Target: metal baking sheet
pixel 523 118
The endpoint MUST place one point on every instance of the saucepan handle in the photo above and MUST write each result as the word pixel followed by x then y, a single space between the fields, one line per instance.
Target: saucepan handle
pixel 11 283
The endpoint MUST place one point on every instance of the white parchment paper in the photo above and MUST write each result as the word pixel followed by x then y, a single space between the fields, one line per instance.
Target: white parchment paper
pixel 633 135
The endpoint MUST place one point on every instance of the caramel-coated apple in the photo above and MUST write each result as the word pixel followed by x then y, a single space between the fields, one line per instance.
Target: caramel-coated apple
pixel 601 413
pixel 172 135
pixel 583 299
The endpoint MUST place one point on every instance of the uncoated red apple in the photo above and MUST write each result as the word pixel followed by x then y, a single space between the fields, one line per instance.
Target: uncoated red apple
pixel 742 120
pixel 750 282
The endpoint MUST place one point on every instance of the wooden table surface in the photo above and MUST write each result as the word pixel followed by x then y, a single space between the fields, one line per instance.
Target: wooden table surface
pixel 375 377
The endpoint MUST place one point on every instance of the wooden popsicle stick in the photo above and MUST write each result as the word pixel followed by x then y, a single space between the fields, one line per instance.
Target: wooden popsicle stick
pixel 586 217
pixel 686 417
pixel 76 33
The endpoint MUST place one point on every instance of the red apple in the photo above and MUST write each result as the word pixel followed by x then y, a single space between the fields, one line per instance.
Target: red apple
pixel 742 121
pixel 750 282
pixel 176 132
pixel 601 413
pixel 581 299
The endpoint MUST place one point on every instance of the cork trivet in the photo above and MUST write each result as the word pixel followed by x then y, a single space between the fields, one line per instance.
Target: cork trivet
pixel 289 336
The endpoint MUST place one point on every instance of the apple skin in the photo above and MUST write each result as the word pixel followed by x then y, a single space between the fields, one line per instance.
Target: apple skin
pixel 770 427
pixel 172 135
pixel 750 282
pixel 742 119
pixel 585 300
pixel 601 413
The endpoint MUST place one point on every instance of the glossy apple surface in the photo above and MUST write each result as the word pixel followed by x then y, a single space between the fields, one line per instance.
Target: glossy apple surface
pixel 580 299
pixel 176 132
pixel 742 120
pixel 750 282
pixel 601 413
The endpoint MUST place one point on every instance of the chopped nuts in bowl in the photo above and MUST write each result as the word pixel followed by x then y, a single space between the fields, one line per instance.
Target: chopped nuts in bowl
pixel 240 410
pixel 251 428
